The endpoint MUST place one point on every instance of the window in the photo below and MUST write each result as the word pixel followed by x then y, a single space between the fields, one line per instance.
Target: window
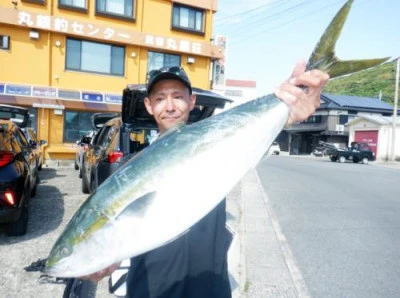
pixel 157 60
pixel 35 1
pixel 32 121
pixel 187 18
pixel 80 4
pixel 122 8
pixel 76 125
pixel 95 57
pixel 4 42
pixel 313 119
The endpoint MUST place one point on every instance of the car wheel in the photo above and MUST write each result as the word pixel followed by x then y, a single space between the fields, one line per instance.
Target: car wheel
pixel 19 227
pixel 85 186
pixel 365 160
pixel 342 159
pixel 80 173
pixel 76 166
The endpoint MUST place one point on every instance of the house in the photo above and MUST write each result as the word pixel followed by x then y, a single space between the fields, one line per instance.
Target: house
pixel 377 132
pixel 328 122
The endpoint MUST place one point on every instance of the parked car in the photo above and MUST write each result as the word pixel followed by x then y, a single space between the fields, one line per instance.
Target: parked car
pixel 81 147
pixel 18 170
pixel 275 148
pixel 122 137
pixel 35 144
pixel 357 152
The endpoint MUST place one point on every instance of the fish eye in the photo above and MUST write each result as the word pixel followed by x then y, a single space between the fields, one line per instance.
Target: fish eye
pixel 65 251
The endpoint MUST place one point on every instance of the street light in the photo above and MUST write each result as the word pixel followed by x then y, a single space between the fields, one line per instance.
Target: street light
pixel 394 118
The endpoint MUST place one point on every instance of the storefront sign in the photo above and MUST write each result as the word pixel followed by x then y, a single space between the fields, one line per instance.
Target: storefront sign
pixel 18 90
pixel 112 98
pixel 2 88
pixel 69 26
pixel 96 97
pixel 44 91
pixel 68 94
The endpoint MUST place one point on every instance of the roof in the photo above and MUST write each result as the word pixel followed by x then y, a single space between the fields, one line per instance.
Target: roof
pixel 240 83
pixel 381 120
pixel 354 102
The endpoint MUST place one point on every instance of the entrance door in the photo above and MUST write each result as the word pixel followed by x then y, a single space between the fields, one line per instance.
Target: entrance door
pixel 368 136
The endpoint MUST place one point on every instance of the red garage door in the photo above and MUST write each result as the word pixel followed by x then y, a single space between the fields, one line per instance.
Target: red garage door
pixel 368 136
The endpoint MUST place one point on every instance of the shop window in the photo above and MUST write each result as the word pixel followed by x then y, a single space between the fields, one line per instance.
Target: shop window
pixel 187 18
pixel 76 125
pixel 95 57
pixel 157 60
pixel 74 4
pixel 4 42
pixel 119 8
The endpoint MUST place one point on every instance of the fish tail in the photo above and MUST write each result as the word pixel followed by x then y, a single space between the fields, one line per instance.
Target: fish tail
pixel 323 56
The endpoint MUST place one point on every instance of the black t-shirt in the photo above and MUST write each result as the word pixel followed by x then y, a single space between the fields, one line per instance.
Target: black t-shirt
pixel 192 266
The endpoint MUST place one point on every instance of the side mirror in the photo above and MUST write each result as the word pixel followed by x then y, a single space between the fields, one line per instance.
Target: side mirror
pixel 32 144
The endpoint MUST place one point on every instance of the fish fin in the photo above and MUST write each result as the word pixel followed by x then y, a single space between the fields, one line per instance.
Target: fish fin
pixel 323 56
pixel 138 207
pixel 339 68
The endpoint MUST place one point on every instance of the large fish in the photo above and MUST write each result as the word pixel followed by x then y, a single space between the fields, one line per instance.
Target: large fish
pixel 161 192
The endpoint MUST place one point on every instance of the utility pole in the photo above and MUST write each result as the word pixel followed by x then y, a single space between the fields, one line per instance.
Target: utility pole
pixel 394 118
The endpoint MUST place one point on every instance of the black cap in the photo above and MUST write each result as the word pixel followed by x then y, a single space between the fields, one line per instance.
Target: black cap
pixel 165 73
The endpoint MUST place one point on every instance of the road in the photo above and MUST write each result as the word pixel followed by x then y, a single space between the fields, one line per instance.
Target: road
pixel 341 223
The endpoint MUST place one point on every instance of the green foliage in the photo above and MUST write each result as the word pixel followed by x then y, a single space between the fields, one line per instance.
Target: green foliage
pixel 368 83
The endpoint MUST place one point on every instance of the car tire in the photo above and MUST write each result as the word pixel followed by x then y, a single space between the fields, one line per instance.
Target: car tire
pixel 19 227
pixel 365 160
pixel 342 159
pixel 85 186
pixel 80 173
pixel 76 166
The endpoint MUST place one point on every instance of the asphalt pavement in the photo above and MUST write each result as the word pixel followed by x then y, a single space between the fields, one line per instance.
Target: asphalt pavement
pixel 260 261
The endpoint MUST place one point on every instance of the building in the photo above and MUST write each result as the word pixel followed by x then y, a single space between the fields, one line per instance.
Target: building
pixel 377 132
pixel 328 122
pixel 65 60
pixel 239 91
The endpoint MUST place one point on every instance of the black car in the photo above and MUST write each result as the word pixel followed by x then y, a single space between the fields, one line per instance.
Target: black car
pixel 18 170
pixel 122 137
pixel 35 144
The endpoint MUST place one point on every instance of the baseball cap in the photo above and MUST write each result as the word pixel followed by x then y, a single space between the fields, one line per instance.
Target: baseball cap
pixel 164 73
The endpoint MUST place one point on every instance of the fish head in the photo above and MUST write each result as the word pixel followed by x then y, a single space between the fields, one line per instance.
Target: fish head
pixel 80 249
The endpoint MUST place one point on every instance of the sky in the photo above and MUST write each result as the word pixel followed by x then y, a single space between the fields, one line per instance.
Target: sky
pixel 265 38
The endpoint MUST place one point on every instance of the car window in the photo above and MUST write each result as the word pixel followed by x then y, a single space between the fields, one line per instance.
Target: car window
pixel 21 138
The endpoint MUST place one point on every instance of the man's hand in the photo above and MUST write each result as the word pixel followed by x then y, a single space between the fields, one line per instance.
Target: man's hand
pixel 97 276
pixel 302 102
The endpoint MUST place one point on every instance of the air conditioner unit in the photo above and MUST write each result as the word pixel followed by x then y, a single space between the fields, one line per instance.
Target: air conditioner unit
pixel 339 128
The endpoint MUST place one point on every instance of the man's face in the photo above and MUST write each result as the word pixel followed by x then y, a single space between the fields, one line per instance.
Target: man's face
pixel 170 103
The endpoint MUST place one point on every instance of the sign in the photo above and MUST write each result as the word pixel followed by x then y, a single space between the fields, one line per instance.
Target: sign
pixel 68 94
pixel 2 88
pixel 112 98
pixel 44 91
pixel 18 90
pixel 105 32
pixel 94 97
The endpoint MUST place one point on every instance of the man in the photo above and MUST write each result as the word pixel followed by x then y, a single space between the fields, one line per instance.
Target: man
pixel 195 264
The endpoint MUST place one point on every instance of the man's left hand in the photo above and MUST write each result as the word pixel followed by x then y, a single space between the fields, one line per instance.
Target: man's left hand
pixel 302 101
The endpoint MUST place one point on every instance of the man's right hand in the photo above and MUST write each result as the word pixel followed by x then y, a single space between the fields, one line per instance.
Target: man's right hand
pixel 99 275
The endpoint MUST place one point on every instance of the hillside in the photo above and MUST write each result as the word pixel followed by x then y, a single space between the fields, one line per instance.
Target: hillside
pixel 368 83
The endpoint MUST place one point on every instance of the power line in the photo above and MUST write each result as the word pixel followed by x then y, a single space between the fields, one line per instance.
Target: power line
pixel 270 4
